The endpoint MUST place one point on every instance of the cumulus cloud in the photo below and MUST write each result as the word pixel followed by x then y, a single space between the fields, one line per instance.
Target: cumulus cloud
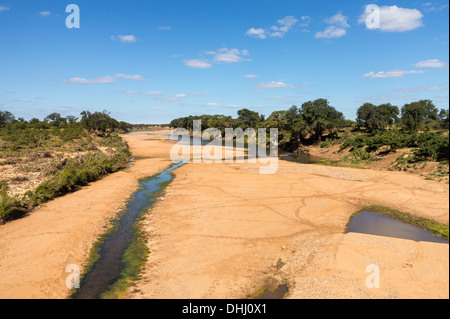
pixel 395 19
pixel 331 32
pixel 197 64
pixel 256 33
pixel 104 79
pixel 274 85
pixel 430 64
pixel 223 55
pixel 338 24
pixel 338 20
pixel 124 38
pixel 45 13
pixel 390 74
pixel 279 30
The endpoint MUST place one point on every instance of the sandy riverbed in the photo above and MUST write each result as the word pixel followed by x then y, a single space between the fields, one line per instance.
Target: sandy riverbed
pixel 224 230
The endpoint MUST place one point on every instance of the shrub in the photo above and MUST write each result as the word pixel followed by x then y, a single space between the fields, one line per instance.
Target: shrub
pixel 10 206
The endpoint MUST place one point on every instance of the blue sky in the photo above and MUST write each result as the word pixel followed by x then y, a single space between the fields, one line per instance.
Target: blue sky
pixel 152 61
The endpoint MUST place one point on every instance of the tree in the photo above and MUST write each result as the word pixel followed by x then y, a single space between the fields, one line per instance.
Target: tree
pixel 99 122
pixel 54 118
pixel 71 119
pixel 443 119
pixel 249 118
pixel 320 116
pixel 6 117
pixel 377 117
pixel 416 113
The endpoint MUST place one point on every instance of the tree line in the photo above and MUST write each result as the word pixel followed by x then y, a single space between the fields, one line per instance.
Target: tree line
pixel 100 123
pixel 315 121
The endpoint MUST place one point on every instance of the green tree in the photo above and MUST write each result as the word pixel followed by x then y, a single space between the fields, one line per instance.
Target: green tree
pixel 443 119
pixel 249 118
pixel 416 113
pixel 376 117
pixel 6 118
pixel 320 116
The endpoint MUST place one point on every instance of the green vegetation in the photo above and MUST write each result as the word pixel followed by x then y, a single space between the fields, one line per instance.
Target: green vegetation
pixel 10 206
pixel 377 131
pixel 438 229
pixel 69 153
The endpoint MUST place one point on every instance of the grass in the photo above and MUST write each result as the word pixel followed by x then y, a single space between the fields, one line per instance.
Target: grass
pixel 436 228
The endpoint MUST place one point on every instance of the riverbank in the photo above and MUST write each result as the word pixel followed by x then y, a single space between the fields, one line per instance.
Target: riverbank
pixel 35 250
pixel 225 231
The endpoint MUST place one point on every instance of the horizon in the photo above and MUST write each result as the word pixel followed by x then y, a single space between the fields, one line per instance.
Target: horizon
pixel 149 63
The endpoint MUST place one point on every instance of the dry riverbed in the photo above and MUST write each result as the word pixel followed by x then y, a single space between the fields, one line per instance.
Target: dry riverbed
pixel 225 231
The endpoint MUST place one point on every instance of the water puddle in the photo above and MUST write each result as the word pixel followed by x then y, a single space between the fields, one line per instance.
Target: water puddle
pixel 375 224
pixel 106 270
pixel 278 293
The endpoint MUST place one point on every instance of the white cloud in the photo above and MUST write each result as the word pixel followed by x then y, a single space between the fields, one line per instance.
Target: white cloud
pixel 251 76
pixel 154 93
pixel 213 104
pixel 223 55
pixel 338 20
pixel 229 55
pixel 336 29
pixel 165 27
pixel 130 92
pixel 197 64
pixel 125 38
pixel 198 93
pixel 430 64
pixel 135 77
pixel 256 33
pixel 285 25
pixel 104 79
pixel 277 31
pixel 390 74
pixel 331 32
pixel 395 19
pixel 3 8
pixel 274 85
pixel 180 96
pixel 45 13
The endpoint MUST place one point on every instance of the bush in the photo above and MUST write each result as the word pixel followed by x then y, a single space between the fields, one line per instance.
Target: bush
pixel 10 206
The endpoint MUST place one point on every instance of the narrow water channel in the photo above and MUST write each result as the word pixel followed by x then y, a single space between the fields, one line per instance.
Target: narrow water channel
pixel 106 270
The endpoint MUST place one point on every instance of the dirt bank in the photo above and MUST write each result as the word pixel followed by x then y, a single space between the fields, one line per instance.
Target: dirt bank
pixel 35 250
